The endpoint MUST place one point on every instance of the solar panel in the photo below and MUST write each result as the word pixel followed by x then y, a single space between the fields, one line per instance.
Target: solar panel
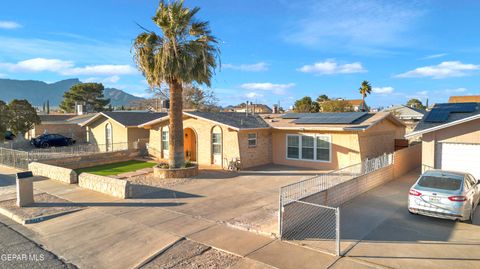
pixel 330 118
pixel 459 108
pixel 437 115
pixel 295 115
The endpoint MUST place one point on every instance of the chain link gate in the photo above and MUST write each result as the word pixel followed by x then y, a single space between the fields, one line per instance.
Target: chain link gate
pixel 307 221
pixel 308 213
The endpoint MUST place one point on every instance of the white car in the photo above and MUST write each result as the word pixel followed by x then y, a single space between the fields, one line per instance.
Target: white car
pixel 445 194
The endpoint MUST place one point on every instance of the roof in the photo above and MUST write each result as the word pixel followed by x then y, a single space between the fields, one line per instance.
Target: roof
pixel 55 118
pixel 406 112
pixel 451 118
pixel 237 120
pixel 464 99
pixel 127 118
pixel 363 122
pixel 81 118
pixel 234 120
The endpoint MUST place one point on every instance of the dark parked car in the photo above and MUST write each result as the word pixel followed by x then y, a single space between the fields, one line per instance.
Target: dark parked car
pixel 52 140
pixel 9 135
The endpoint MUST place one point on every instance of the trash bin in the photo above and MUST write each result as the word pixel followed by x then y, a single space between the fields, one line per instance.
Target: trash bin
pixel 24 189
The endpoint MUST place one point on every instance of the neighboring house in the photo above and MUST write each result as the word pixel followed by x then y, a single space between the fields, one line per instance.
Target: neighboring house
pixel 358 105
pixel 216 138
pixel 252 108
pixel 118 128
pixel 464 99
pixel 64 124
pixel 450 135
pixel 411 116
pixel 326 142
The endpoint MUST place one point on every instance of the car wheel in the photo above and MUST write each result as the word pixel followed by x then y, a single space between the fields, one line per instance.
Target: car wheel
pixel 45 145
pixel 472 213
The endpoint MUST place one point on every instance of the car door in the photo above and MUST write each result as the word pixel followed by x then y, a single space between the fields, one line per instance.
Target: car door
pixel 470 189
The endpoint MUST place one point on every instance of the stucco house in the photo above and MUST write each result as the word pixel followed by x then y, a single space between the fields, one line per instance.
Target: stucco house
pixel 450 135
pixel 323 141
pixel 64 124
pixel 111 129
pixel 216 138
pixel 358 105
pixel 409 115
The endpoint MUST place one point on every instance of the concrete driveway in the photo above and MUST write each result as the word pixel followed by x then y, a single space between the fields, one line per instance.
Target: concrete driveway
pixel 376 227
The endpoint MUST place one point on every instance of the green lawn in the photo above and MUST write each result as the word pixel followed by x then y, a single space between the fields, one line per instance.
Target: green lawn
pixel 116 168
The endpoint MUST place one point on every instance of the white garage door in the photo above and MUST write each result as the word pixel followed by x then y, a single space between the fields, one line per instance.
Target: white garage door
pixel 460 157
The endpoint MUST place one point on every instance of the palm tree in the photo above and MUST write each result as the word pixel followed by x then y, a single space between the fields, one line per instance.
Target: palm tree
pixel 365 90
pixel 184 52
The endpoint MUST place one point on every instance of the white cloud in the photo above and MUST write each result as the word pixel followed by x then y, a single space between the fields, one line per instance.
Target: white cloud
pixel 267 86
pixel 9 25
pixel 330 67
pixel 456 90
pixel 442 70
pixel 383 90
pixel 100 70
pixel 248 67
pixel 353 24
pixel 253 95
pixel 3 75
pixel 38 65
pixel 67 68
pixel 434 56
pixel 112 79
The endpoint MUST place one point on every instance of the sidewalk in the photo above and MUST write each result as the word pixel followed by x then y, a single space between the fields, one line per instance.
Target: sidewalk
pixel 122 233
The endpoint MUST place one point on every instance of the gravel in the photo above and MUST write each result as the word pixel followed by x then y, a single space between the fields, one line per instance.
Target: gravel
pixel 188 254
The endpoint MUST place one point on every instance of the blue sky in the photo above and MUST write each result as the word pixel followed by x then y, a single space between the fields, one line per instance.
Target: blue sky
pixel 271 51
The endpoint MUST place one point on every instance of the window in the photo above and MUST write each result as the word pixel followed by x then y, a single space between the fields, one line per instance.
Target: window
pixel 323 148
pixel 308 143
pixel 309 147
pixel 217 143
pixel 252 140
pixel 293 146
pixel 164 139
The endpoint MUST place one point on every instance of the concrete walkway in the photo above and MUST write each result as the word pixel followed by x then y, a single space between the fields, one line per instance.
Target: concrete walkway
pixel 122 233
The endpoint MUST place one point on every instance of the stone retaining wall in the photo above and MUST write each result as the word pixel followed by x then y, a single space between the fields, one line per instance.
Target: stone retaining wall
pixel 175 173
pixel 62 174
pixel 111 186
pixel 94 159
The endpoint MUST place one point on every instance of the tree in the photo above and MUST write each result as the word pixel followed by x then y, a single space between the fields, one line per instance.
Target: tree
pixel 48 106
pixel 184 53
pixel 306 105
pixel 91 94
pixel 415 103
pixel 338 105
pixel 365 90
pixel 23 116
pixel 4 115
pixel 199 99
pixel 322 98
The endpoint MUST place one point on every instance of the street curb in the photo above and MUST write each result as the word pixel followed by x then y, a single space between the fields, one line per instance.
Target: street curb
pixel 22 221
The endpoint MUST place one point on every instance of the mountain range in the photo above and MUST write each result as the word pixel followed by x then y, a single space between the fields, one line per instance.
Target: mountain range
pixel 38 92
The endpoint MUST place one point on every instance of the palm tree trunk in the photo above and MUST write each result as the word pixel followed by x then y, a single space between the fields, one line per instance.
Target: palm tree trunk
pixel 176 156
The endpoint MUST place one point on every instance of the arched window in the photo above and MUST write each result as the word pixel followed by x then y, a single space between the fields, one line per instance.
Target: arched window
pixel 108 137
pixel 217 145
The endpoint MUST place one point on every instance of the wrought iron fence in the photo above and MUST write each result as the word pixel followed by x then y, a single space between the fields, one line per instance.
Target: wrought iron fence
pixel 21 158
pixel 304 216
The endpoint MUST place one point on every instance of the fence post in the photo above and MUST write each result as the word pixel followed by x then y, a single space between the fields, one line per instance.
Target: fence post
pixel 280 213
pixel 337 230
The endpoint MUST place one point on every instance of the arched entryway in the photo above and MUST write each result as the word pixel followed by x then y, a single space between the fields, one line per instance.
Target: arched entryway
pixel 190 144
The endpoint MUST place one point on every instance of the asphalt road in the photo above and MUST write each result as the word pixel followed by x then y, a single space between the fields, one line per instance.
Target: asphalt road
pixel 17 251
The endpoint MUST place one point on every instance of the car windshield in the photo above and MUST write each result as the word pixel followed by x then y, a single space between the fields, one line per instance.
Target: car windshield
pixel 443 182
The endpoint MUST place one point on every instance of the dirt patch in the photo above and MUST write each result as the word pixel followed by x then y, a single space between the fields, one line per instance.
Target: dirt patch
pixel 45 205
pixel 189 254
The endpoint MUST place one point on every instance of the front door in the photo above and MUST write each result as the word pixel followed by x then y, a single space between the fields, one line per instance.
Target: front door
pixel 190 145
